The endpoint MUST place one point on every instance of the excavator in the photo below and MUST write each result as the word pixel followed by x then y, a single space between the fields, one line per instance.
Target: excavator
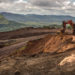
pixel 64 23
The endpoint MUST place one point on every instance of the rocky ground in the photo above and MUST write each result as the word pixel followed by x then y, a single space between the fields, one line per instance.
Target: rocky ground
pixel 41 64
pixel 50 54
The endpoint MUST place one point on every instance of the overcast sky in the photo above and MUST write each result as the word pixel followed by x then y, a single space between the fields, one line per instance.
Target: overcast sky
pixel 43 7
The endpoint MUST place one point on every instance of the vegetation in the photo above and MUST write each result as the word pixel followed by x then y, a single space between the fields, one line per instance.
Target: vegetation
pixel 53 26
pixel 19 51
pixel 6 25
pixel 68 26
pixel 3 20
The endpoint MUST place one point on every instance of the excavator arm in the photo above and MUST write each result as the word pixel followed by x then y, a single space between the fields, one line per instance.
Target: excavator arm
pixel 64 27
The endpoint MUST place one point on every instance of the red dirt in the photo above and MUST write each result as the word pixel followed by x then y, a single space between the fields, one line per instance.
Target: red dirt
pixel 51 44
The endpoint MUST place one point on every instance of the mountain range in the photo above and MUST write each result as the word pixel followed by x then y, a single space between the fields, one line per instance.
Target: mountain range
pixel 36 18
pixel 10 21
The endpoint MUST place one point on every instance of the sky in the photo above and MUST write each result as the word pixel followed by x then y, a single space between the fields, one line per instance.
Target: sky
pixel 42 7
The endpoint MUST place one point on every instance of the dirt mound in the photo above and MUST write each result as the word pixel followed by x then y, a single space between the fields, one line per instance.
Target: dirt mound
pixel 57 43
pixel 51 44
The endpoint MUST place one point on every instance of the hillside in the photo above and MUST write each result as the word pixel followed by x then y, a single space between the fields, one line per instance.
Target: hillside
pixel 3 20
pixel 7 25
pixel 13 22
pixel 36 18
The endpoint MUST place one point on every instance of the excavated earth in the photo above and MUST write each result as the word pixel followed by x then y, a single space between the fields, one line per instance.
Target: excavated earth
pixel 50 44
pixel 51 55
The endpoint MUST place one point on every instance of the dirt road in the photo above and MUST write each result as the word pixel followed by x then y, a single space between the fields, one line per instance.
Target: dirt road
pixel 22 42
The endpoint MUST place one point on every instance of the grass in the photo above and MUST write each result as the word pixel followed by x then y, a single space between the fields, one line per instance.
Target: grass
pixel 1 16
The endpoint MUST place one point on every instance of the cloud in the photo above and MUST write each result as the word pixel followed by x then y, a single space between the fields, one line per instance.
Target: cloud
pixel 45 3
pixel 43 7
pixel 20 1
pixel 59 7
pixel 6 1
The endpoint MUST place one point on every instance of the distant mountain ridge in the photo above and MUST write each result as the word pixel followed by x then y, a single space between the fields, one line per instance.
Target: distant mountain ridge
pixel 7 25
pixel 10 21
pixel 36 18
